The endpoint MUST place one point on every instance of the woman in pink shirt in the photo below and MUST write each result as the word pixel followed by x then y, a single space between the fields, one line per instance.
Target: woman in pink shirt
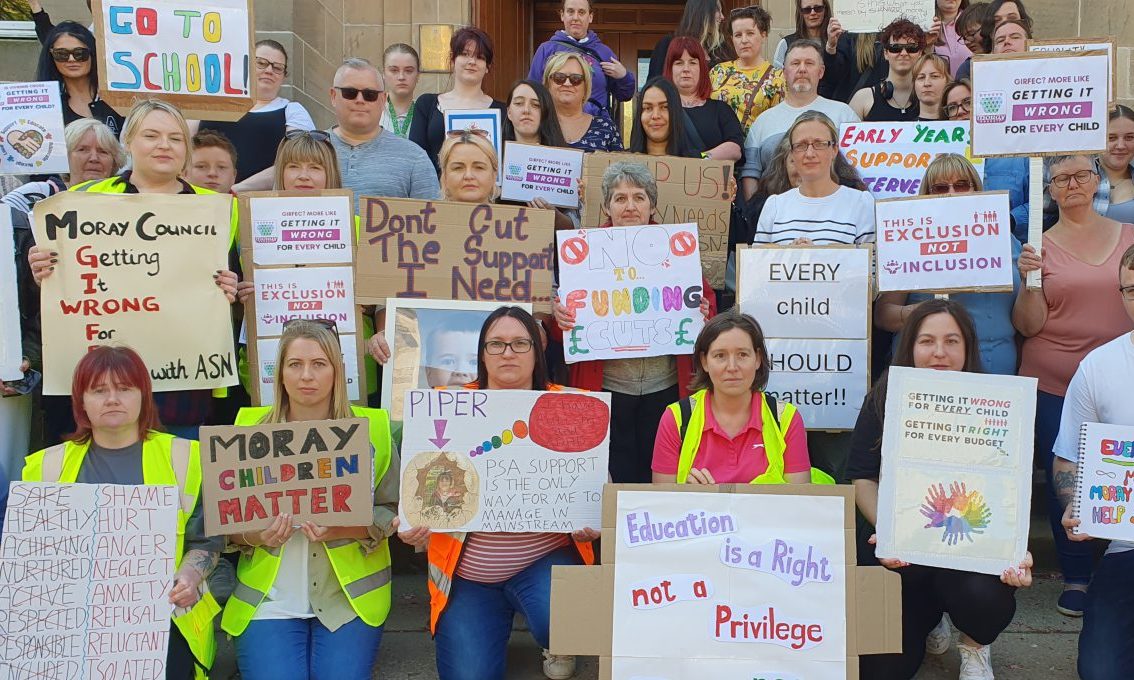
pixel 740 440
pixel 948 43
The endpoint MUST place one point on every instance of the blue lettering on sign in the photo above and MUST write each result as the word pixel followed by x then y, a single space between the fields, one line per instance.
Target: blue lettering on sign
pixel 123 59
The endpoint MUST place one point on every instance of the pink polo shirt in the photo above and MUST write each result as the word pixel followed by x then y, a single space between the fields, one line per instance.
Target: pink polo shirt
pixel 731 460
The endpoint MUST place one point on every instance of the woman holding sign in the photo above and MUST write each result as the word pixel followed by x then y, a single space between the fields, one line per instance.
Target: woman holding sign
pixel 68 58
pixel 478 581
pixel 937 335
pixel 118 442
pixel 311 600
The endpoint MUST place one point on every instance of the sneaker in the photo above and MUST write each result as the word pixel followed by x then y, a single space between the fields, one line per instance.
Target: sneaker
pixel 1072 602
pixel 976 662
pixel 558 667
pixel 940 638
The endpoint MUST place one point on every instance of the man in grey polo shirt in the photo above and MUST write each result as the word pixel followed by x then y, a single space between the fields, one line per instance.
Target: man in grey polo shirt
pixel 373 161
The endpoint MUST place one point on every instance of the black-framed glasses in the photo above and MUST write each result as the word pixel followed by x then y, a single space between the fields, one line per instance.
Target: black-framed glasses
pixel 817 145
pixel 560 77
pixel 315 135
pixel 352 93
pixel 276 67
pixel 329 324
pixel 79 54
pixel 895 48
pixel 1127 293
pixel 961 186
pixel 521 346
pixel 812 9
pixel 1081 178
pixel 965 104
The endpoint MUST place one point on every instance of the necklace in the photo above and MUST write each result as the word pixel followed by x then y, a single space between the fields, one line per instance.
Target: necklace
pixel 399 130
pixel 690 102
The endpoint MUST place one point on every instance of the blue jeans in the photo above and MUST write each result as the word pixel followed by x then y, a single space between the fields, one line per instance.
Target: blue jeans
pixel 304 649
pixel 1106 645
pixel 1075 558
pixel 472 634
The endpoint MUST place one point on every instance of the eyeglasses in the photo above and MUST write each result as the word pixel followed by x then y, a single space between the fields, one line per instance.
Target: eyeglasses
pixel 78 53
pixel 812 9
pixel 1081 178
pixel 969 35
pixel 1127 293
pixel 315 135
pixel 276 67
pixel 965 104
pixel 329 324
pixel 961 186
pixel 895 48
pixel 521 346
pixel 352 93
pixel 559 78
pixel 816 146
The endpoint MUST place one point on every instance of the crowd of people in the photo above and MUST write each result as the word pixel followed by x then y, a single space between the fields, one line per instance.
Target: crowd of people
pixel 307 601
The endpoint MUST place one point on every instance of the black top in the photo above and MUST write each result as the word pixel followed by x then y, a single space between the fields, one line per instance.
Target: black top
pixel 428 127
pixel 100 111
pixel 884 112
pixel 657 57
pixel 716 123
pixel 841 77
pixel 256 136
pixel 865 461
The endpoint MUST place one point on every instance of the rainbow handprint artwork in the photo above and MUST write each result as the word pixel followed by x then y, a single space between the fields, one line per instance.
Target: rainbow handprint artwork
pixel 961 513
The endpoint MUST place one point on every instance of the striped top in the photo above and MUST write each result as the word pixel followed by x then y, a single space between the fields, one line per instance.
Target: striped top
pixel 846 216
pixel 495 558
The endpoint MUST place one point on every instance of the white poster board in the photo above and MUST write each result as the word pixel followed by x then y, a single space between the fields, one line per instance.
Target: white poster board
pixel 1037 104
pixel 892 157
pixel 304 293
pixel 484 120
pixel 85 575
pixel 302 230
pixel 504 461
pixel 31 129
pixel 945 243
pixel 712 585
pixel 1108 45
pixel 635 291
pixel 532 171
pixel 814 306
pixel 956 480
pixel 11 339
pixel 869 16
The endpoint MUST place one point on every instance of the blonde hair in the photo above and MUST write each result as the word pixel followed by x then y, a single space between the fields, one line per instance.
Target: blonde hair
pixel 329 343
pixel 304 148
pixel 939 63
pixel 864 54
pixel 145 107
pixel 476 140
pixel 947 166
pixel 559 60
pixel 104 137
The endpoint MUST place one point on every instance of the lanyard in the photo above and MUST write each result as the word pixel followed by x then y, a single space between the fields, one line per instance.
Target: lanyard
pixel 399 130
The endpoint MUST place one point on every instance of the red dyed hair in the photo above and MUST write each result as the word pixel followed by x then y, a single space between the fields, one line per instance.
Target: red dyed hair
pixel 122 364
pixel 680 45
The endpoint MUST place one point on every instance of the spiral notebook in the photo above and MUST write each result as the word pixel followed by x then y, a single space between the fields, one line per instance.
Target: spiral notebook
pixel 1104 496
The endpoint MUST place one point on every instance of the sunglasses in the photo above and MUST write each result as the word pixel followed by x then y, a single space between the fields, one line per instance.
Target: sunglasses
pixel 893 48
pixel 276 68
pixel 961 186
pixel 329 324
pixel 465 132
pixel 63 54
pixel 813 9
pixel 352 93
pixel 559 78
pixel 315 135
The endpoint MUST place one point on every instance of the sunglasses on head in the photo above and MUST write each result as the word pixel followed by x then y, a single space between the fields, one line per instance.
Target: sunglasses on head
pixel 329 324
pixel 63 54
pixel 480 132
pixel 893 48
pixel 316 135
pixel 559 78
pixel 352 93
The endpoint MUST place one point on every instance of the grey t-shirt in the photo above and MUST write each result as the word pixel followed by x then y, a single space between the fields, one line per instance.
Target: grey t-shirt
pixel 124 466
pixel 386 166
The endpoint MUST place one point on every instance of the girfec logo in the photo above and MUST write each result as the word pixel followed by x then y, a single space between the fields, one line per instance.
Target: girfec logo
pixel 990 108
pixel 515 171
pixel 268 373
pixel 265 231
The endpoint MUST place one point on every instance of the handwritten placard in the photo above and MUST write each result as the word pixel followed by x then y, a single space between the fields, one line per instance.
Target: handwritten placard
pixel 892 157
pixel 869 16
pixel 85 575
pixel 505 461
pixel 320 471
pixel 956 481
pixel 1108 45
pixel 454 251
pixel 947 243
pixel 689 190
pixel 544 172
pixel 1040 104
pixel 717 585
pixel 137 269
pixel 814 306
pixel 1104 495
pixel 197 55
pixel 31 129
pixel 11 339
pixel 635 291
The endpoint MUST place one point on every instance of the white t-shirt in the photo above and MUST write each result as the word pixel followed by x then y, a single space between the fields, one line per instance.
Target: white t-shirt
pixel 288 597
pixel 846 216
pixel 773 124
pixel 1099 393
pixel 297 117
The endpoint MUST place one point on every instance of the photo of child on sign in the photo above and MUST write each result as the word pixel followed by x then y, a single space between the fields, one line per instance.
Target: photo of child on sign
pixel 442 490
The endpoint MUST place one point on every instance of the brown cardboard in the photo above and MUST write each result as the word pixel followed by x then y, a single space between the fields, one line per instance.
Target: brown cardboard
pixel 437 250
pixel 319 450
pixel 689 190
pixel 582 598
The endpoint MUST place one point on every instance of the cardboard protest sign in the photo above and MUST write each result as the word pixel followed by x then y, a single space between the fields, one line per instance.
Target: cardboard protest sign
pixel 31 129
pixel 1040 104
pixel 1109 45
pixel 11 339
pixel 195 54
pixel 137 269
pixel 709 581
pixel 483 121
pixel 317 470
pixel 505 461
pixel 635 291
pixel 433 345
pixel 956 481
pixel 1104 493
pixel 945 243
pixel 892 157
pixel 814 306
pixel 546 172
pixel 298 249
pixel 689 190
pixel 85 576
pixel 869 16
pixel 454 251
